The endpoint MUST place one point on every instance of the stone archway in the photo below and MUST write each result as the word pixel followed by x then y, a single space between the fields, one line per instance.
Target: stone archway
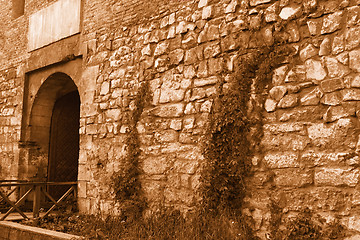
pixel 54 130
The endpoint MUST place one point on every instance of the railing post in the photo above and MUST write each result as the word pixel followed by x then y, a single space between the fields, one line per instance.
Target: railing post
pixel 36 203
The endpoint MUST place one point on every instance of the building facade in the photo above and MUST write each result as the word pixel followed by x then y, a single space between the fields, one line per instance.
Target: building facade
pixel 71 70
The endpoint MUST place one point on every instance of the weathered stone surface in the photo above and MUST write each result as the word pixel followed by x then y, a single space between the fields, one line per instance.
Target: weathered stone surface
pixel 205 81
pixel 207 12
pixel 105 88
pixel 169 110
pixel 280 128
pixel 354 60
pixel 270 105
pixel 278 92
pixel 333 98
pixel 296 74
pixel 288 101
pixel 331 22
pixel 155 165
pixel 281 160
pixel 332 135
pixel 314 70
pixel 335 69
pixel 271 12
pixel 355 82
pixel 319 158
pixel 279 75
pixel 351 38
pixel 325 47
pixel 284 142
pixel 351 94
pixel 334 113
pixel 314 26
pixel 290 12
pixel 308 52
pixel 345 176
pixel 202 3
pixel 338 45
pixel 293 178
pixel 312 98
pixel 231 7
pixel 176 56
pixel 258 2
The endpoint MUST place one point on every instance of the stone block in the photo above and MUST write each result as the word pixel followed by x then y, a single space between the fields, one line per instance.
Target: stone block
pixel 281 160
pixel 308 52
pixel 353 16
pixel 332 99
pixel 169 110
pixel 171 95
pixel 288 101
pixel 311 98
pixel 314 70
pixel 271 12
pixel 325 47
pixel 279 75
pixel 314 26
pixel 293 177
pixel 284 142
pixel 332 85
pixel 332 22
pixel 336 176
pixel 351 37
pixel 338 45
pixel 280 128
pixel 155 165
pixel 166 136
pixel 354 60
pixel 258 2
pixel 212 50
pixel 324 158
pixel 290 12
pixel 335 69
pixel 270 105
pixel 352 94
pixel 205 81
pixel 334 113
pixel 278 92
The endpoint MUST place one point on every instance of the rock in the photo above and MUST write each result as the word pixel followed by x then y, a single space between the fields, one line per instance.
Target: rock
pixel 176 56
pixel 296 74
pixel 271 12
pixel 281 160
pixel 355 82
pixel 312 98
pixel 212 50
pixel 161 48
pixel 332 22
pixel 231 7
pixel 333 98
pixel 270 105
pixel 258 2
pixel 343 58
pixel 308 52
pixel 325 47
pixel 212 32
pixel 314 70
pixel 338 45
pixel 202 3
pixel 288 13
pixel 205 81
pixel 105 88
pixel 278 92
pixel 169 110
pixel 352 39
pixel 279 75
pixel 207 12
pixel 335 69
pixel 354 60
pixel 171 95
pixel 314 26
pixel 351 94
pixel 332 176
pixel 288 101
pixel 332 85
pixel 353 16
pixel 335 113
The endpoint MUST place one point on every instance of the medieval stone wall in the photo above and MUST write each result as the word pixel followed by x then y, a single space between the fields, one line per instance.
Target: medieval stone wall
pixel 185 50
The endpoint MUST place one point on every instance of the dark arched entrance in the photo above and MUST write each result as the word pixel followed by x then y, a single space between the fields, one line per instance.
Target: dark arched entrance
pixel 64 142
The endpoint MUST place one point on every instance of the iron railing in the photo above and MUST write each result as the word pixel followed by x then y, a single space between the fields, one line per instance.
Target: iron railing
pixel 38 189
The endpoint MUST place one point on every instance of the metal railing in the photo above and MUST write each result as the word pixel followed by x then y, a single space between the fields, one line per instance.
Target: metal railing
pixel 38 189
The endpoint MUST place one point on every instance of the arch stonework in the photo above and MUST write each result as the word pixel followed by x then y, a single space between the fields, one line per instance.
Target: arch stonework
pixel 42 88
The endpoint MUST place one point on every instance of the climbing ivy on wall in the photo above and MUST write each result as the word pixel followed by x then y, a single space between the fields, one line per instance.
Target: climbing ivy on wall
pixel 234 132
pixel 126 183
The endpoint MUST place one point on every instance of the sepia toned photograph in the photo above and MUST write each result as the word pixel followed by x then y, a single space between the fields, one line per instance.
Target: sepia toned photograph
pixel 180 119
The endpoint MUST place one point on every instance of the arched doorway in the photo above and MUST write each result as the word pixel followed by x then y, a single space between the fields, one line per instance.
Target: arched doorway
pixel 64 142
pixel 53 132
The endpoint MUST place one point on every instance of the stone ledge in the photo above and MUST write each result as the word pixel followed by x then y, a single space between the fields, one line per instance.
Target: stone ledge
pixel 12 230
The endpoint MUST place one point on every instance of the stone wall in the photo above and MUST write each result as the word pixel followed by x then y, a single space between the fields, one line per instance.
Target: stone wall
pixel 185 50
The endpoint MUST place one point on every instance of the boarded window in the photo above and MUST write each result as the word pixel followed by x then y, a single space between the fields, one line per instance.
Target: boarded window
pixel 18 8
